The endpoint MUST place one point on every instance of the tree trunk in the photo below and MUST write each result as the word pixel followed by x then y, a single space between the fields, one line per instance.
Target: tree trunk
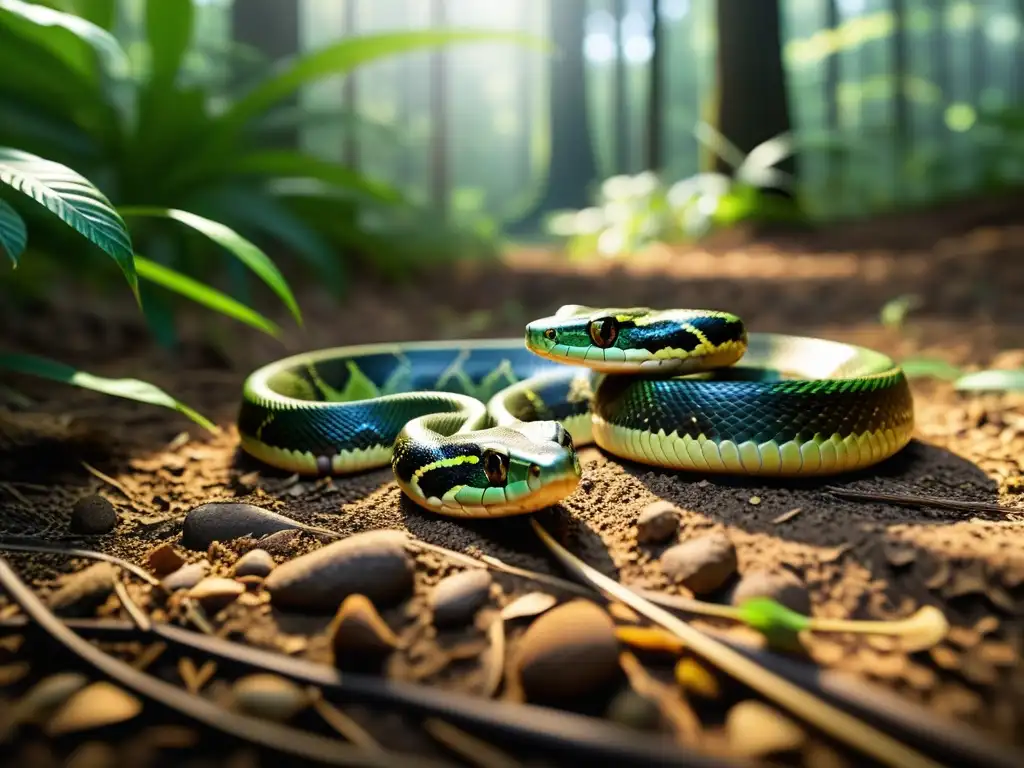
pixel 271 27
pixel 573 165
pixel 753 104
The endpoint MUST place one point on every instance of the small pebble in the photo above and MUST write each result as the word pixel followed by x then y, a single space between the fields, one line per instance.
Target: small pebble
pixel 568 652
pixel 93 515
pixel 255 562
pixel 94 706
pixel 269 696
pixel 215 594
pixel 758 730
pixel 164 560
pixel 456 599
pixel 358 631
pixel 43 698
pixel 781 586
pixel 85 591
pixel 657 522
pixel 631 709
pixel 227 520
pixel 279 543
pixel 373 563
pixel 529 605
pixel 703 564
pixel 187 576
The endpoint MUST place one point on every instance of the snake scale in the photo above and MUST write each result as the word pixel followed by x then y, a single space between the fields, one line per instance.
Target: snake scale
pixel 486 428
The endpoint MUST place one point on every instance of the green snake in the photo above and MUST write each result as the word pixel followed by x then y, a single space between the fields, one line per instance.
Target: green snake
pixel 486 428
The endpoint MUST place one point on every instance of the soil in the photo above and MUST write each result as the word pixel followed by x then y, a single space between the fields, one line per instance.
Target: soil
pixel 857 559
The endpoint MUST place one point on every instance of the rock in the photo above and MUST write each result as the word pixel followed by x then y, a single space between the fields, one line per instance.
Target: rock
pixel 255 562
pixel 529 605
pixel 756 730
pixel 187 576
pixel 164 560
pixel 93 515
pixel 94 706
pixel 568 652
pixel 269 696
pixel 781 586
pixel 279 543
pixel 214 594
pixel 632 710
pixel 702 564
pixel 657 522
pixel 43 698
pixel 226 520
pixel 457 598
pixel 359 634
pixel 373 563
pixel 83 592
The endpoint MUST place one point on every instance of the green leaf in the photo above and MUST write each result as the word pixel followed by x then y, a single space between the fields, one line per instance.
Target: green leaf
pixel 345 56
pixel 926 367
pixel 169 31
pixel 252 210
pixel 130 389
pixel 102 13
pixel 73 199
pixel 999 380
pixel 102 41
pixel 285 164
pixel 203 294
pixel 237 245
pixel 771 618
pixel 13 235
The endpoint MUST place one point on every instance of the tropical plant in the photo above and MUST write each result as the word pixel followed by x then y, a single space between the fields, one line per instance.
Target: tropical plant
pixel 632 212
pixel 152 138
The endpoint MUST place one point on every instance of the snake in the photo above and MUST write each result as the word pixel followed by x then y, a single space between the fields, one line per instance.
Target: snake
pixel 481 428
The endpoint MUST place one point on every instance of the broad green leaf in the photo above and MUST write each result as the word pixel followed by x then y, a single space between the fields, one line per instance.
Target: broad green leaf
pixel 203 294
pixel 926 367
pixel 237 245
pixel 253 210
pixel 102 41
pixel 102 13
pixel 344 56
pixel 285 164
pixel 73 199
pixel 130 389
pixel 997 380
pixel 32 72
pixel 169 31
pixel 13 235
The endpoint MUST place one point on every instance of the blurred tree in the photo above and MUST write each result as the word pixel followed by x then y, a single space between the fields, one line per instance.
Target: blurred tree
pixel 573 165
pixel 752 99
pixel 272 28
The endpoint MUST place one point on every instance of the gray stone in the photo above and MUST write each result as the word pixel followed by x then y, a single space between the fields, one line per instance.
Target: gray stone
pixel 187 576
pixel 657 522
pixel 703 564
pixel 256 562
pixel 373 563
pixel 224 521
pixel 457 598
pixel 93 515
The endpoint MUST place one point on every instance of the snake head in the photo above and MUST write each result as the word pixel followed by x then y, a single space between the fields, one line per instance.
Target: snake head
pixel 495 472
pixel 639 339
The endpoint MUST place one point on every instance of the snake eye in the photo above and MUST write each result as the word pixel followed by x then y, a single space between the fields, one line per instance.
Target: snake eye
pixel 535 472
pixel 603 331
pixel 550 334
pixel 495 467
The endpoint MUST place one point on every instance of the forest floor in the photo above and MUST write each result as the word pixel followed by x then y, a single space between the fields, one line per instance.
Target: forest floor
pixel 797 541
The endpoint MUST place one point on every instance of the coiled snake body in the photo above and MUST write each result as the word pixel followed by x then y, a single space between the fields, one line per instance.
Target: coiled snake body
pixel 490 428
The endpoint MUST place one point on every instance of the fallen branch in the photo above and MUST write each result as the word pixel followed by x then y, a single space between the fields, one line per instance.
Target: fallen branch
pixel 909 500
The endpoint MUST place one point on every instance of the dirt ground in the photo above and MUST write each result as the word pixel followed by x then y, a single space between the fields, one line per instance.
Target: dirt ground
pixel 855 559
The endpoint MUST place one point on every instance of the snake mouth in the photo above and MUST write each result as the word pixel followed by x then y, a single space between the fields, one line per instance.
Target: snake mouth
pixel 551 493
pixel 636 361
